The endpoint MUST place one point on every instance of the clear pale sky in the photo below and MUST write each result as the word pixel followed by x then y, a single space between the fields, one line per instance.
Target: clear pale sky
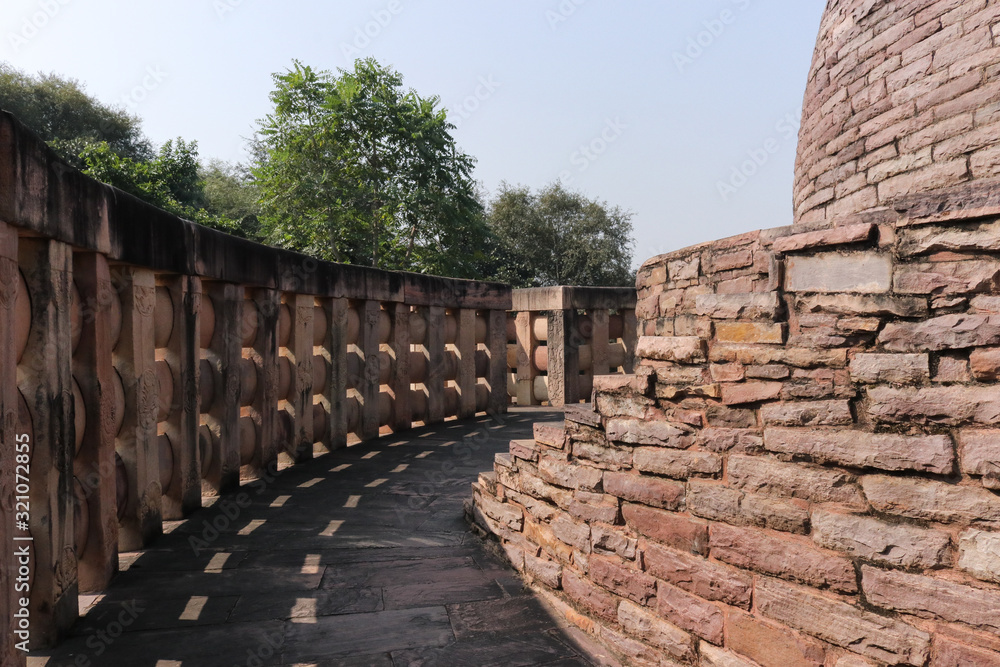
pixel 617 99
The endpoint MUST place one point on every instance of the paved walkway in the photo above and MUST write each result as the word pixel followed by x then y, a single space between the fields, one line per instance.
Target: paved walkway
pixel 361 557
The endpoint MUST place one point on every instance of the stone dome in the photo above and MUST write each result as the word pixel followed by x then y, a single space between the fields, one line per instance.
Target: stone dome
pixel 903 98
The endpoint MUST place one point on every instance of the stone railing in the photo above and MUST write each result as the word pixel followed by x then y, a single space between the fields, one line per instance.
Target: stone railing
pixel 803 468
pixel 559 338
pixel 146 360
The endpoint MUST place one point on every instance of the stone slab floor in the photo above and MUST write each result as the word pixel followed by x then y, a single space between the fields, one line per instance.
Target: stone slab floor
pixel 359 557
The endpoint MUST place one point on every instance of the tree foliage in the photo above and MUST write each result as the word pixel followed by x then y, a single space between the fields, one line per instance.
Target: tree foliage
pixel 558 237
pixel 353 168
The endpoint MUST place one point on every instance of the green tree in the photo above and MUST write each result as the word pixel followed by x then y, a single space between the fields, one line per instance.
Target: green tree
pixel 558 237
pixel 69 119
pixel 231 194
pixel 353 168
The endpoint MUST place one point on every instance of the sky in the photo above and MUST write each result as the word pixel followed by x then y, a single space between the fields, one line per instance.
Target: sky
pixel 683 112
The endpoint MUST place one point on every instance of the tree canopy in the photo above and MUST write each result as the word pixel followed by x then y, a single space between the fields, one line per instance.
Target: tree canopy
pixel 558 237
pixel 353 168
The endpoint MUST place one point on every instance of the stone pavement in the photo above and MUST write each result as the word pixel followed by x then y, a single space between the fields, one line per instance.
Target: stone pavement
pixel 360 557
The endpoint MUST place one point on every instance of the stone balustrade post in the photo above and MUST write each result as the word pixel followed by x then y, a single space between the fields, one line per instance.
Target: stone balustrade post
pixel 466 345
pixel 368 383
pixel 496 345
pixel 264 409
pixel 224 354
pixel 399 349
pixel 300 352
pixel 434 344
pixel 337 384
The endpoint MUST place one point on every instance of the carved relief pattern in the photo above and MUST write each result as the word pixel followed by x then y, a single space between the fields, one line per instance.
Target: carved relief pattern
pixel 145 300
pixel 148 390
pixel 8 283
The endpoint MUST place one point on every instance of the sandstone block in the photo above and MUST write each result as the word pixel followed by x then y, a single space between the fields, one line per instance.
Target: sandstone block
pixel 592 598
pixel 985 363
pixel 603 456
pixel 583 413
pixel 763 333
pixel 930 500
pixel 714 502
pixel 546 571
pixel 690 613
pixel 936 238
pixel 685 269
pixel 979 554
pixel 964 277
pixel 550 435
pixel 807 413
pixel 873 306
pixel 685 349
pixel 890 368
pixel 729 439
pixel 706 579
pixel 948 332
pixel 794 480
pixel 625 581
pixel 534 486
pixel 526 450
pixel 506 515
pixel 751 306
pixel 753 549
pixel 675 463
pixel 952 405
pixel 542 535
pixel 770 644
pixel 609 540
pixel 643 489
pixel 886 451
pixel 590 507
pixel 826 237
pixel 756 355
pixel 670 529
pixel 750 392
pixel 841 624
pixel 680 375
pixel 899 545
pixel 656 631
pixel 569 475
pixel 979 451
pixel 642 432
pixel 571 532
pixel 949 653
pixel 717 657
pixel 728 372
pixel 768 372
pixel 927 597
pixel 774 513
pixel 859 273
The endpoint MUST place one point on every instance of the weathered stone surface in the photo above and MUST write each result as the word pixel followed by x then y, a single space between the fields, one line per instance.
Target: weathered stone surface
pixel 825 237
pixel 706 579
pixel 954 654
pixel 550 435
pixel 508 515
pixel 750 392
pixel 800 357
pixel 771 644
pixel 807 413
pixel 843 625
pixel 948 332
pixel 985 304
pixel 753 549
pixel 774 513
pixel 730 439
pixel 583 413
pixel 716 657
pixel 573 533
pixel 592 598
pixel 641 432
pixel 676 463
pixel 952 405
pixel 979 554
pixel 569 475
pixel 690 612
pixel 768 372
pixel 979 451
pixel 546 571
pixel 607 539
pixel 670 529
pixel 715 502
pixel 931 500
pixel 590 507
pixel 927 597
pixel 752 306
pixel 654 630
pixel 526 450
pixel 899 545
pixel 927 239
pixel 875 306
pixel 682 349
pixel 985 364
pixel 625 581
pixel 890 368
pixel 763 475
pixel 643 489
pixel 535 487
pixel 763 333
pixel 886 451
pixel 963 277
pixel 858 273
pixel 604 456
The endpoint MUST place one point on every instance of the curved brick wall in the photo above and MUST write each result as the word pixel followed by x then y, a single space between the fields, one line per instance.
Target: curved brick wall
pixel 901 99
pixel 803 469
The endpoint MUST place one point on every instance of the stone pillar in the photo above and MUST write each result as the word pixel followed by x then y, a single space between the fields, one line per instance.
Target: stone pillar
pixel 336 386
pixel 300 352
pixel 466 345
pixel 496 344
pixel 48 390
pixel 526 371
pixel 183 356
pixel 264 409
pixel 630 336
pixel 564 357
pixel 599 337
pixel 12 433
pixel 224 354
pixel 399 348
pixel 95 465
pixel 434 345
pixel 141 520
pixel 368 383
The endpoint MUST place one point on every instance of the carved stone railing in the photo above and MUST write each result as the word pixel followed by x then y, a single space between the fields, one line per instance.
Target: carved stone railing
pixel 559 338
pixel 148 360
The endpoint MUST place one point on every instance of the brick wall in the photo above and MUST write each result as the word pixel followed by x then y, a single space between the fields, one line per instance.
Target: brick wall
pixel 902 98
pixel 803 470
